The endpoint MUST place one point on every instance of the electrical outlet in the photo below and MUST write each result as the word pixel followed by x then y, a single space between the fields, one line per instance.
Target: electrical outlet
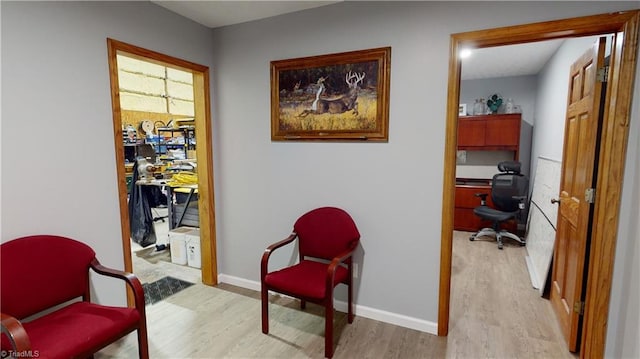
pixel 355 270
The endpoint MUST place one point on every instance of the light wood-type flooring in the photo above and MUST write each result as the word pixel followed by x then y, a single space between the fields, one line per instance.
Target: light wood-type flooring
pixel 495 313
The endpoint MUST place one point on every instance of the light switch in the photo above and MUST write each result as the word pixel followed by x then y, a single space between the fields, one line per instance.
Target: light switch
pixel 461 156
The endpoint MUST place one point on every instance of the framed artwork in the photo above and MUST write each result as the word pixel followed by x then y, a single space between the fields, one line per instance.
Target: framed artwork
pixel 336 97
pixel 462 109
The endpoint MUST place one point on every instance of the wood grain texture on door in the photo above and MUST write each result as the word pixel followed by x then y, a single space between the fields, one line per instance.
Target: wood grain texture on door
pixel 579 161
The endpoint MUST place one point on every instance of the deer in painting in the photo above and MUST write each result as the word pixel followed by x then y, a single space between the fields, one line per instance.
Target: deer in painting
pixel 296 89
pixel 341 104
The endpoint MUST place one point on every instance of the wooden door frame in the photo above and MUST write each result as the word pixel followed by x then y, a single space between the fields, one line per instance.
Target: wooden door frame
pixel 204 152
pixel 614 137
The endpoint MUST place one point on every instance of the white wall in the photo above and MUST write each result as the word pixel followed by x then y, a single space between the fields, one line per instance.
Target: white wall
pixel 55 92
pixel 58 156
pixel 551 105
pixel 393 190
pixel 623 332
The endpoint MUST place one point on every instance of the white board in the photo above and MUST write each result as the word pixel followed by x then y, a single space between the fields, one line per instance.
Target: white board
pixel 543 215
pixel 546 185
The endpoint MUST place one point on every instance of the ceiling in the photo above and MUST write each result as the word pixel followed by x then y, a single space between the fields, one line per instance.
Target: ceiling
pixel 218 13
pixel 513 60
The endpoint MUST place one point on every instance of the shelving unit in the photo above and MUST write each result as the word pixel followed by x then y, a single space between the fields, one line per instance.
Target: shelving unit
pixel 182 137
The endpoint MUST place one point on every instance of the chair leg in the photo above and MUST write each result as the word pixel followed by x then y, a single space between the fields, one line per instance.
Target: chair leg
pixel 143 344
pixel 265 309
pixel 328 329
pixel 508 234
pixel 482 232
pixel 350 304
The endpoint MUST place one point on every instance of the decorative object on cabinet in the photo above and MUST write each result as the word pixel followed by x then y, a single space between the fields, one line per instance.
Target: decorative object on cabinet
pixel 508 107
pixel 343 96
pixel 462 109
pixel 494 102
pixel 478 107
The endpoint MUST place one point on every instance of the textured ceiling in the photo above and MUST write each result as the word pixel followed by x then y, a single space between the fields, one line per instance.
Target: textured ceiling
pixel 222 13
pixel 514 60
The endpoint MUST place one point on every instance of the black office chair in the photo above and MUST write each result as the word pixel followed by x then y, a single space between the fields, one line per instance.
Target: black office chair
pixel 509 193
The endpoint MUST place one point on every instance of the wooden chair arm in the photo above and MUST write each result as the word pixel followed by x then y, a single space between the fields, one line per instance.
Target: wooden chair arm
pixel 129 278
pixel 264 264
pixel 14 330
pixel 335 262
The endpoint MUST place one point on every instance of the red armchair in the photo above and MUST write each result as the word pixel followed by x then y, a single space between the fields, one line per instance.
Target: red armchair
pixel 41 272
pixel 327 238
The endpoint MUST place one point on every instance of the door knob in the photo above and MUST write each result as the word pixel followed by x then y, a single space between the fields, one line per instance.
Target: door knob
pixel 554 201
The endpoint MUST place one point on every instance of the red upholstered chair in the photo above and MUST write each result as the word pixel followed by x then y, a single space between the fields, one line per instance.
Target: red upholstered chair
pixel 38 273
pixel 327 238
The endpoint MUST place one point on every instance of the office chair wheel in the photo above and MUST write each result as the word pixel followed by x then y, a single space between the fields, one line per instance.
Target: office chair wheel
pixel 499 245
pixel 472 237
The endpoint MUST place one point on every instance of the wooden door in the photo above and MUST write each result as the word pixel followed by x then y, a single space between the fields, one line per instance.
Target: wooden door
pixel 578 164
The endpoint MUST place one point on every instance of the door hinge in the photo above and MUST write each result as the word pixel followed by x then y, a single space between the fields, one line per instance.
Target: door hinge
pixel 578 307
pixel 603 74
pixel 590 195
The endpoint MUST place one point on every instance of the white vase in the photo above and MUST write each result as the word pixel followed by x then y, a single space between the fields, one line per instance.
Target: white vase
pixel 508 107
pixel 478 107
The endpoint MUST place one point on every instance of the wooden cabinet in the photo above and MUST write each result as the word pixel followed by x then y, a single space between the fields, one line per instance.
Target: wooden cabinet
pixel 471 132
pixel 500 132
pixel 464 219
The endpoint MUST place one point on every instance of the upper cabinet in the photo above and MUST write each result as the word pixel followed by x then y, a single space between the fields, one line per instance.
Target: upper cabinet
pixel 496 132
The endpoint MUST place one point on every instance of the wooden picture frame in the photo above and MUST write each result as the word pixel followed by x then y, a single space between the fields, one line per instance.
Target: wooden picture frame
pixel 335 97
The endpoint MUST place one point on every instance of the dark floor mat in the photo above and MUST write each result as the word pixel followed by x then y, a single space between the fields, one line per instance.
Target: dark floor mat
pixel 163 288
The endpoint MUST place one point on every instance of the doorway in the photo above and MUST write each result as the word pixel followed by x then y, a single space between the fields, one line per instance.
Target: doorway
pixel 612 154
pixel 203 151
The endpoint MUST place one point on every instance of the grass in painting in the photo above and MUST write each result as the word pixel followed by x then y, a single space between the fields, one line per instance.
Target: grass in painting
pixel 365 120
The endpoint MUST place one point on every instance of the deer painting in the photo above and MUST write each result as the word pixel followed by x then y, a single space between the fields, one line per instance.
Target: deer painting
pixel 343 103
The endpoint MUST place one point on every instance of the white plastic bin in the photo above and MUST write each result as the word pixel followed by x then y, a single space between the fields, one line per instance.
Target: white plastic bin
pixel 194 254
pixel 178 244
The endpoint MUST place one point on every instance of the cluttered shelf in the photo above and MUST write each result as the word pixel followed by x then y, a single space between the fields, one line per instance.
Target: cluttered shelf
pixel 166 142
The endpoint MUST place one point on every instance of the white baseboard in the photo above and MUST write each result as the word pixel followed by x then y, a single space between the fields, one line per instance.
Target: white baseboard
pixel 240 282
pixel 360 310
